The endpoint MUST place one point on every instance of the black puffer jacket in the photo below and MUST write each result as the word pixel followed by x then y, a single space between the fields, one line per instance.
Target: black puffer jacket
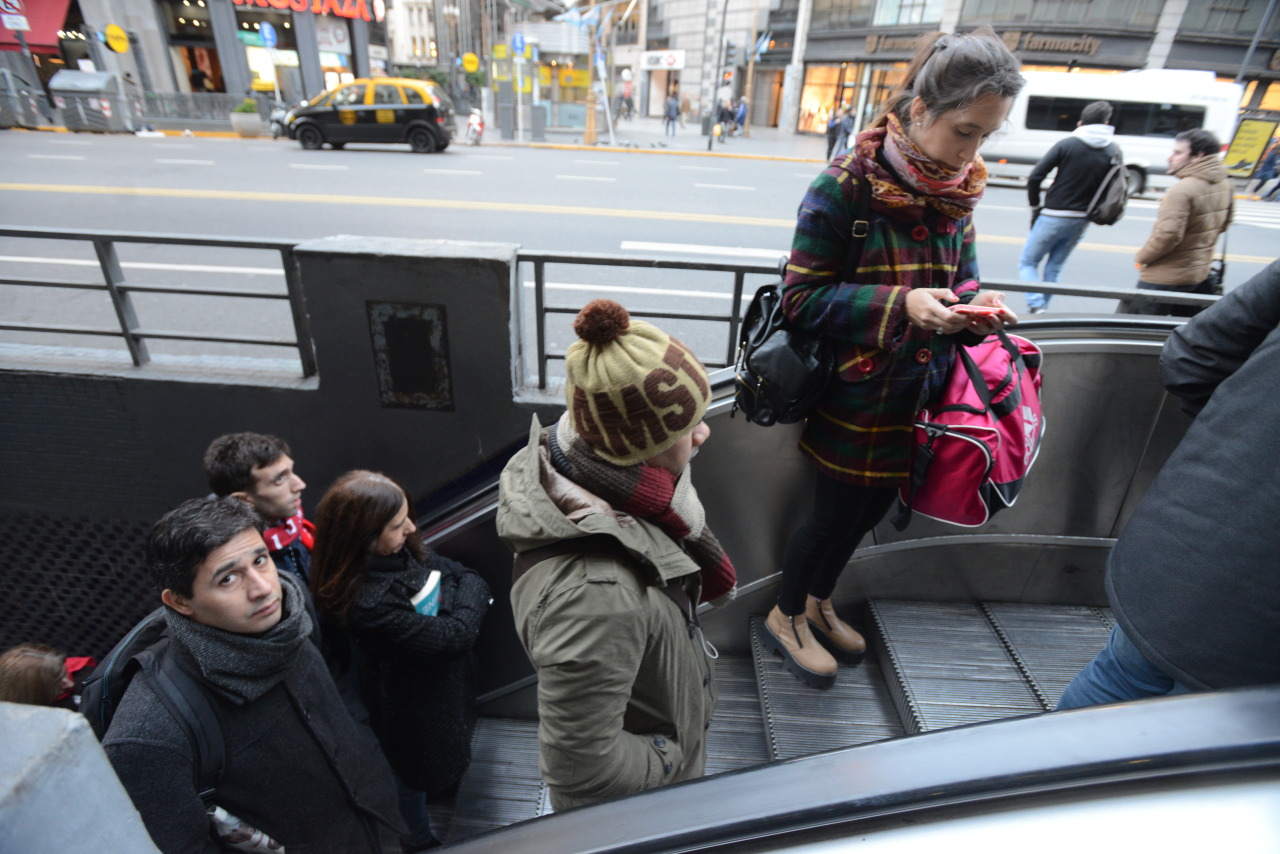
pixel 1193 578
pixel 417 673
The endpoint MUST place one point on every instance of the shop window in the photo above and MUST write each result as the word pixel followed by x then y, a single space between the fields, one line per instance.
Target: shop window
pixel 1233 17
pixel 841 14
pixel 891 12
pixel 1094 13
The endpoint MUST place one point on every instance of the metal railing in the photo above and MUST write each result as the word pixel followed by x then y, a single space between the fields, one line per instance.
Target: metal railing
pixel 542 311
pixel 120 290
pixel 200 106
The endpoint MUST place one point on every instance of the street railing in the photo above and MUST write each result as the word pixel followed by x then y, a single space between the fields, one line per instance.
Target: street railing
pixel 201 106
pixel 120 290
pixel 542 312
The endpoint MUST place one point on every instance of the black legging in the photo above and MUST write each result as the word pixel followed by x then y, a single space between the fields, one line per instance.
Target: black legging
pixel 818 552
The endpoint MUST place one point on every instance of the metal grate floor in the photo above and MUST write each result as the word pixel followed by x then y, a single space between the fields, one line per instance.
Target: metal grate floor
pixel 1052 642
pixel 947 665
pixel 503 785
pixel 801 720
pixel 736 738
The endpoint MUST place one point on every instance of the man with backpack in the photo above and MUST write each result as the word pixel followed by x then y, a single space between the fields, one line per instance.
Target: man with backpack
pixel 1083 162
pixel 1193 215
pixel 254 701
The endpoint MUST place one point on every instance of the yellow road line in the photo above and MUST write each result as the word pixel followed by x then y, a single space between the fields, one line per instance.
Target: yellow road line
pixel 393 202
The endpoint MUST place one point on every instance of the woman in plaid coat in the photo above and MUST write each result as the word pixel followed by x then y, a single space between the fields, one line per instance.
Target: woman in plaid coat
pixel 890 318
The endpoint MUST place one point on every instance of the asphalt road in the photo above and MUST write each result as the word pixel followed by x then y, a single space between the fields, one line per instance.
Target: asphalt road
pixel 669 205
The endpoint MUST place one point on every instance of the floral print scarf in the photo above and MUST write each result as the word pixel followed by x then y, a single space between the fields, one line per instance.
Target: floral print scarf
pixel 916 182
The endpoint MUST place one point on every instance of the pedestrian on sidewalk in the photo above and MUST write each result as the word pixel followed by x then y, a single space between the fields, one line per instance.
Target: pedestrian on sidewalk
pixel 670 112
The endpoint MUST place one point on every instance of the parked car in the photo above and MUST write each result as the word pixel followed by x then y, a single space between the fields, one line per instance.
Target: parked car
pixel 377 109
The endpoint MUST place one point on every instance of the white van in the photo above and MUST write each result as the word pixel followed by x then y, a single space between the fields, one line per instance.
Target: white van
pixel 1151 107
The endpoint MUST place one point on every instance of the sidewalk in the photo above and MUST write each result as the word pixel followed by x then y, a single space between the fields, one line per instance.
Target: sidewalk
pixel 645 134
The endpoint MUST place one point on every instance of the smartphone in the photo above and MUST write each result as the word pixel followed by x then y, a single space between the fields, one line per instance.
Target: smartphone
pixel 978 310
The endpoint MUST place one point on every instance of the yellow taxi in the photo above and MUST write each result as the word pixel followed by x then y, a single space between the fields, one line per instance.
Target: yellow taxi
pixel 375 109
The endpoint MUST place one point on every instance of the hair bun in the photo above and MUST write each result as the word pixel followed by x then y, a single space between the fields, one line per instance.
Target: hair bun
pixel 601 321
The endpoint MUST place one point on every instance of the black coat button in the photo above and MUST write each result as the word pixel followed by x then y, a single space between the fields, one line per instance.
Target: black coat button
pixel 667 768
pixel 660 742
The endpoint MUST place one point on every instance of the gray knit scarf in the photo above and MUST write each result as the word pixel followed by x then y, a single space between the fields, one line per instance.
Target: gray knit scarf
pixel 247 666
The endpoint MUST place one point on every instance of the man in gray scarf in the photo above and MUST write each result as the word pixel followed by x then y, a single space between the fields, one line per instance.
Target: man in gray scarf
pixel 297 766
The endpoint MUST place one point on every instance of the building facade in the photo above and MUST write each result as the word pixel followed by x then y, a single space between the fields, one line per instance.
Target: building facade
pixel 857 50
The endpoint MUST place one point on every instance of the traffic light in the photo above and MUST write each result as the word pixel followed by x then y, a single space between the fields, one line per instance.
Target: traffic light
pixel 726 77
pixel 730 49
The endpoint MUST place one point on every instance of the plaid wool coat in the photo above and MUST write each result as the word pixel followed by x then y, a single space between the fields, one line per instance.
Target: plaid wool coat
pixel 886 369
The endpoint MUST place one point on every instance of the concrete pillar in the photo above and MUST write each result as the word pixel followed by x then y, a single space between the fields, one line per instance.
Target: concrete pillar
pixel 58 792
pixel 1166 29
pixel 235 65
pixel 793 77
pixel 308 54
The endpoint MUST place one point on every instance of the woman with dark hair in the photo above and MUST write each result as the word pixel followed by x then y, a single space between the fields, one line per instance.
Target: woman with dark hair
pixel 890 320
pixel 370 575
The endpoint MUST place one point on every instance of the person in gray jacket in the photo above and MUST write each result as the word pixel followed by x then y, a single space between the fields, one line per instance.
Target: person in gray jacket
pixel 297 766
pixel 613 555
pixel 1081 161
pixel 1192 578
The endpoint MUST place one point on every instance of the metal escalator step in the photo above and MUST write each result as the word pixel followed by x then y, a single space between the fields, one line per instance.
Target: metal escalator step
pixel 946 665
pixel 502 785
pixel 736 738
pixel 800 720
pixel 1052 642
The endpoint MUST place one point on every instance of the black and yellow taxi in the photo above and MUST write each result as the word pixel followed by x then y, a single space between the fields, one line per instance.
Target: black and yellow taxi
pixel 375 109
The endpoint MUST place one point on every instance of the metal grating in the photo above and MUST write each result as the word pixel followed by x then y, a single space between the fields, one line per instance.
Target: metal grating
pixel 800 720
pixel 949 665
pixel 1052 642
pixel 736 738
pixel 76 584
pixel 502 785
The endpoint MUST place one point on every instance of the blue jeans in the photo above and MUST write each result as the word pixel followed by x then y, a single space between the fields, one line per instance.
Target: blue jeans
pixel 1054 236
pixel 413 809
pixel 1119 673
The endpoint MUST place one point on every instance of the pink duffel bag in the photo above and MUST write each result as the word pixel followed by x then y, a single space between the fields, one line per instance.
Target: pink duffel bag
pixel 977 443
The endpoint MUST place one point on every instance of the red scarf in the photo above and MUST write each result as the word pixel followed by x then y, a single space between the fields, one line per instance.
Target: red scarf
pixel 296 527
pixel 916 181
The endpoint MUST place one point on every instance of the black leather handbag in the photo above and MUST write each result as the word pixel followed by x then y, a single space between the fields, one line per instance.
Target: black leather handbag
pixel 780 374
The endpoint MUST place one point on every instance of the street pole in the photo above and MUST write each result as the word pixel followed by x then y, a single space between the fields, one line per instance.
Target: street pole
pixel 715 77
pixel 589 127
pixel 1253 45
pixel 751 70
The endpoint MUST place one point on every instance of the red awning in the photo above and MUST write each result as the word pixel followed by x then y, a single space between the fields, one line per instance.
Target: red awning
pixel 46 17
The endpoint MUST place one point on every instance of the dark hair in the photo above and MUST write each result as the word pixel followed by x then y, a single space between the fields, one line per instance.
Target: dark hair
pixel 32 673
pixel 229 460
pixel 349 520
pixel 1095 113
pixel 1201 141
pixel 950 72
pixel 189 533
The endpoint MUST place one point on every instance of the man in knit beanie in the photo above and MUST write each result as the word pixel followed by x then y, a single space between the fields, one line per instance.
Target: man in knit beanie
pixel 613 556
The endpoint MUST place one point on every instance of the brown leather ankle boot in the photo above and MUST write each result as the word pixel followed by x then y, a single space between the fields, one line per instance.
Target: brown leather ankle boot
pixel 790 638
pixel 835 634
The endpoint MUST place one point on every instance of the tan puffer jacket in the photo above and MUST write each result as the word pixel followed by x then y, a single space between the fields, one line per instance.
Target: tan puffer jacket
pixel 1193 213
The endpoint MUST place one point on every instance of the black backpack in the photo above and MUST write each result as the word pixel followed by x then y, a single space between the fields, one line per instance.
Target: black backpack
pixel 1107 205
pixel 780 374
pixel 145 650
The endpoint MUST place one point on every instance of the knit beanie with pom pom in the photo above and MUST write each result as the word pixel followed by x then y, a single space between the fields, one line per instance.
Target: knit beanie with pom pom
pixel 633 391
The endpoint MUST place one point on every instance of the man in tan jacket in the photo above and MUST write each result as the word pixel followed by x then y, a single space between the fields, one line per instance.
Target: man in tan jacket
pixel 1193 214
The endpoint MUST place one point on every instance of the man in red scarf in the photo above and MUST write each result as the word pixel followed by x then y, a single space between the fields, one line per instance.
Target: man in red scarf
pixel 258 470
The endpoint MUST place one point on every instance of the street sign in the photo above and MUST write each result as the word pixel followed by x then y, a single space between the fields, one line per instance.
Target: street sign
pixel 470 62
pixel 268 34
pixel 517 44
pixel 11 7
pixel 116 39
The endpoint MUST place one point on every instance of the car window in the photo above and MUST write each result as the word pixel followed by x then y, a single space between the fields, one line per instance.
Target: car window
pixel 349 96
pixel 412 96
pixel 442 97
pixel 387 94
